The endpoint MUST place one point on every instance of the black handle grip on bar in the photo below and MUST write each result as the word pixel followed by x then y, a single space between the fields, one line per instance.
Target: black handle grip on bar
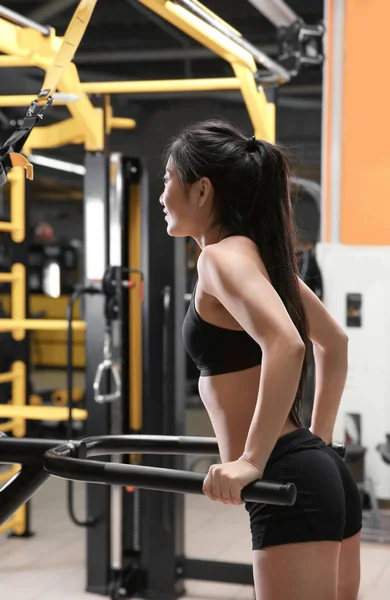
pixel 69 461
pixel 339 448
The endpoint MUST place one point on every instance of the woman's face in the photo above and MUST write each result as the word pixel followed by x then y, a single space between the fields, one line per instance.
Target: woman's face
pixel 187 208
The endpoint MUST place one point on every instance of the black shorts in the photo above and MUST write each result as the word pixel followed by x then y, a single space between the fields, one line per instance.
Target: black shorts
pixel 328 505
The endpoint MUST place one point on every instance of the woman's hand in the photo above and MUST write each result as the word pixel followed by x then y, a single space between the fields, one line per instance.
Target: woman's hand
pixel 225 482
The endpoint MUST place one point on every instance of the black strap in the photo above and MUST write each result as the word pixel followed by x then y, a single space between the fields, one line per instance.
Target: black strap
pixel 17 139
pixel 10 151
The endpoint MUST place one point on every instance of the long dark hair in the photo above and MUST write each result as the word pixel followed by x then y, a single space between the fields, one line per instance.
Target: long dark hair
pixel 252 191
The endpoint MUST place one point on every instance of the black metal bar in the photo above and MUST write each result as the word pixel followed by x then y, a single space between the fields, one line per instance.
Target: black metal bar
pixel 161 444
pixel 25 451
pixel 15 17
pixel 96 240
pixel 213 570
pixel 57 463
pixel 281 74
pixel 28 450
pixel 150 444
pixel 159 254
pixel 18 490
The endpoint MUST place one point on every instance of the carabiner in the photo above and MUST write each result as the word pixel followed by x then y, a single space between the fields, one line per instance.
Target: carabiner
pixel 107 365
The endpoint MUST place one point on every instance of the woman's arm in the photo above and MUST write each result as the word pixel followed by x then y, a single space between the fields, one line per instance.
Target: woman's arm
pixel 245 292
pixel 330 346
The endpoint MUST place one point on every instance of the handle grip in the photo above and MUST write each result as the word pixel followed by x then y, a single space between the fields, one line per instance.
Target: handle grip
pixel 107 366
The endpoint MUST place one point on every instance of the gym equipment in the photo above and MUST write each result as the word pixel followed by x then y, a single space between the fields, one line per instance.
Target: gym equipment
pixel 36 468
pixel 143 409
pixel 23 21
pixel 300 44
pixel 111 288
pixel 69 460
pixel 10 151
pixel 277 73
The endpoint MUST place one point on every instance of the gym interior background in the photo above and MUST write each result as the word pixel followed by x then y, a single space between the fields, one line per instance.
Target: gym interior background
pixel 90 207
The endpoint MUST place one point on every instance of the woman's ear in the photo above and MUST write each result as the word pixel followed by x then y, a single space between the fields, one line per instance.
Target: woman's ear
pixel 205 190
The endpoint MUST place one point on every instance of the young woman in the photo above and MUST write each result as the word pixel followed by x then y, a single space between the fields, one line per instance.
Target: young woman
pixel 247 329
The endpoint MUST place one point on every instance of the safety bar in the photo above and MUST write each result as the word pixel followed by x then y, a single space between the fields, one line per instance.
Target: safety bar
pixel 64 462
pixel 280 73
pixel 18 19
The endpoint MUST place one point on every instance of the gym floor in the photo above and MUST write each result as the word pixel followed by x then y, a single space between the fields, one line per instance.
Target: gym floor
pixel 51 565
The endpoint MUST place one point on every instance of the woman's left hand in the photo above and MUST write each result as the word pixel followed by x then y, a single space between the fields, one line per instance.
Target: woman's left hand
pixel 225 482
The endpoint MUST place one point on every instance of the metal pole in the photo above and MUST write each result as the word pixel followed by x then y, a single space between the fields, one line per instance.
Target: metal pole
pixel 115 214
pixel 15 17
pixel 281 74
pixel 276 11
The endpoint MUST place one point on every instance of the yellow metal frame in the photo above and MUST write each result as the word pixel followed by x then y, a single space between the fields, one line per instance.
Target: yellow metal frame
pixel 17 412
pixel 40 413
pixel 242 62
pixel 17 279
pixel 17 376
pixel 29 48
pixel 16 425
pixel 39 324
pixel 17 206
pixel 135 317
pixel 159 86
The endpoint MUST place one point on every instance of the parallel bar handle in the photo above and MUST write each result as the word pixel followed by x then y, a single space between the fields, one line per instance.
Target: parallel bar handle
pixel 162 444
pixel 152 478
pixel 25 451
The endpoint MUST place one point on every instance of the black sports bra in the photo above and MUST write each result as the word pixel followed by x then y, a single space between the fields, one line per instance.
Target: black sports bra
pixel 216 350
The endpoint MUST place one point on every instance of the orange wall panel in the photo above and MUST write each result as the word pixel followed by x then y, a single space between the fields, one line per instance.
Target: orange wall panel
pixel 365 206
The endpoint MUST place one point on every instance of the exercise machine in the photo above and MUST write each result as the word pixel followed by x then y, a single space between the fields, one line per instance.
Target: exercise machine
pixel 71 460
pixel 40 458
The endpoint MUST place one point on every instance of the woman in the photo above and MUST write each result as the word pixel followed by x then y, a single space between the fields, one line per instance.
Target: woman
pixel 247 329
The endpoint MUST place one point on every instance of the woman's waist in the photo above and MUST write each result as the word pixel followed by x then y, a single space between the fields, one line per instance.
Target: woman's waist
pixel 231 410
